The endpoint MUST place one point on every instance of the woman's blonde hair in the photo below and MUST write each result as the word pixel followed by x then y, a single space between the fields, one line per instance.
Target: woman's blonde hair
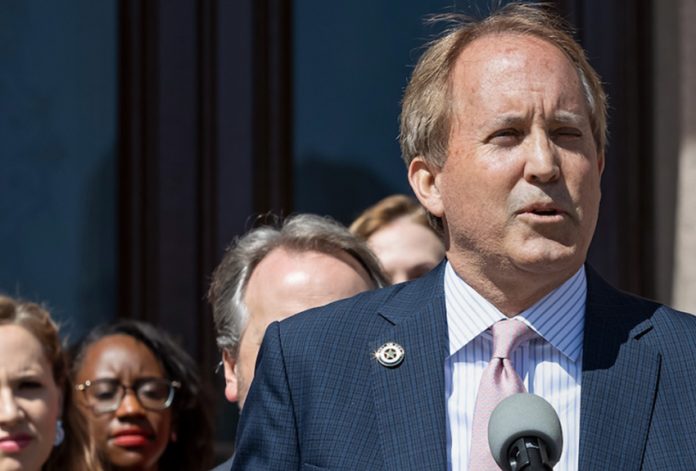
pixel 386 211
pixel 77 452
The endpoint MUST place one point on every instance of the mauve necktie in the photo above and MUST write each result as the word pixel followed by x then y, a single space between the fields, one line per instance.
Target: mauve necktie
pixel 499 380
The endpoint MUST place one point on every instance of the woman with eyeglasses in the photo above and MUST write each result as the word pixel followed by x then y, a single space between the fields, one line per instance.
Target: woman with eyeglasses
pixel 40 429
pixel 142 398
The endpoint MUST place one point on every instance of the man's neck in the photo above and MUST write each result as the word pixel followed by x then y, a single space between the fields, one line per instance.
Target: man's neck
pixel 510 289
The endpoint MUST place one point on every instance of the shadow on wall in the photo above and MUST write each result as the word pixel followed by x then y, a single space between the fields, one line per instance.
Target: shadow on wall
pixel 96 285
pixel 337 189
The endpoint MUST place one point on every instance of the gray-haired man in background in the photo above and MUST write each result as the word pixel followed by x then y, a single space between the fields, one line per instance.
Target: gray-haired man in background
pixel 271 273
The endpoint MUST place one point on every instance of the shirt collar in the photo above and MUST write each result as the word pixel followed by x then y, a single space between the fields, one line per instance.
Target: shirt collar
pixel 558 317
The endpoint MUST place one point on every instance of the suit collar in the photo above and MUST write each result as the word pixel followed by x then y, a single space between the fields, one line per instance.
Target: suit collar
pixel 612 318
pixel 409 399
pixel 398 307
pixel 558 317
pixel 619 378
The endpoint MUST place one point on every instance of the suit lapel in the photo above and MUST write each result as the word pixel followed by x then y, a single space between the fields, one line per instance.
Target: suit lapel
pixel 619 379
pixel 410 399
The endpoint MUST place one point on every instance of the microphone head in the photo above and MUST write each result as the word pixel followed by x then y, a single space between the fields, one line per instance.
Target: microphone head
pixel 524 415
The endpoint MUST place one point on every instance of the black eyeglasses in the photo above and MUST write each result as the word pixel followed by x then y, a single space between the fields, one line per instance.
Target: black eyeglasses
pixel 105 395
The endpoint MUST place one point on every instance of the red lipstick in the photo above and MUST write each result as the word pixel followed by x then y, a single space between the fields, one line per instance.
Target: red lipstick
pixel 131 437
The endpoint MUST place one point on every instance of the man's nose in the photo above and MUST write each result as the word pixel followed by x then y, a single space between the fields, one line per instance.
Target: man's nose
pixel 10 411
pixel 542 165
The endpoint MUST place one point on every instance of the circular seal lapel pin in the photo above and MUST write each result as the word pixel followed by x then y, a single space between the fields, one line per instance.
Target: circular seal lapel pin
pixel 391 354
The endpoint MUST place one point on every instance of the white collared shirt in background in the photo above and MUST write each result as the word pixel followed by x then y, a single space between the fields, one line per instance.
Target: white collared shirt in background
pixel 550 365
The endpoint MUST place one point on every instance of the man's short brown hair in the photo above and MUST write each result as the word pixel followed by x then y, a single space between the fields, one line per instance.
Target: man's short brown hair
pixel 426 107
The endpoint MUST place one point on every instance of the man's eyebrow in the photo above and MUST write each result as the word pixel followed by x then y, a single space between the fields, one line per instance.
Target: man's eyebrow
pixel 510 119
pixel 568 117
pixel 516 119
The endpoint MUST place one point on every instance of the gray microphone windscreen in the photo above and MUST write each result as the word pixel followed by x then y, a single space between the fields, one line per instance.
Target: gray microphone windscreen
pixel 524 415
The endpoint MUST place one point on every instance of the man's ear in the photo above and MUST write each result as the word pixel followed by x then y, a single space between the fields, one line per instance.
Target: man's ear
pixel 600 162
pixel 231 383
pixel 424 180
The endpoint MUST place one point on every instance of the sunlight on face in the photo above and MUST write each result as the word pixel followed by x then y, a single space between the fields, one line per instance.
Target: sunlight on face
pixel 29 401
pixel 132 436
pixel 283 284
pixel 520 188
pixel 406 249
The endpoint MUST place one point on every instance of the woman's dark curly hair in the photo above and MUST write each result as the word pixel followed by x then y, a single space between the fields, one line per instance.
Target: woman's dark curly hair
pixel 191 414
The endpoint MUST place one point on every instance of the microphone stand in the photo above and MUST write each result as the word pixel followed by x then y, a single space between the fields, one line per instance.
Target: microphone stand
pixel 528 454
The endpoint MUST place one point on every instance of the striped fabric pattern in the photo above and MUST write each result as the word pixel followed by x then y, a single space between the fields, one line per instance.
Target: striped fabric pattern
pixel 550 365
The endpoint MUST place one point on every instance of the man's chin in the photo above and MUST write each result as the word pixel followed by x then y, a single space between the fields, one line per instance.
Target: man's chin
pixel 549 257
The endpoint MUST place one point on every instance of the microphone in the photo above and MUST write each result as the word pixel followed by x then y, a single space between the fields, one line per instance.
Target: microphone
pixel 524 433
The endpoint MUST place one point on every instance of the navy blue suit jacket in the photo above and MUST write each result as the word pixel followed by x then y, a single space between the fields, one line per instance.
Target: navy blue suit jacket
pixel 320 400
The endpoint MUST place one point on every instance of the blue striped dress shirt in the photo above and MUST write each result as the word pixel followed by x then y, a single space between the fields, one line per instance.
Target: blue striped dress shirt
pixel 550 365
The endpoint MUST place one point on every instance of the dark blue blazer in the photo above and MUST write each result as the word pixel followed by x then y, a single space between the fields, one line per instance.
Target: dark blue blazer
pixel 320 400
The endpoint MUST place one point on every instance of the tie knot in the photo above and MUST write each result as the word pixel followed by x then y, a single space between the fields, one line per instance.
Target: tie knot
pixel 508 335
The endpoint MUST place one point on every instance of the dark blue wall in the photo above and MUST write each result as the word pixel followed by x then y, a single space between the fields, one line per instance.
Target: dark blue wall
pixel 57 149
pixel 351 63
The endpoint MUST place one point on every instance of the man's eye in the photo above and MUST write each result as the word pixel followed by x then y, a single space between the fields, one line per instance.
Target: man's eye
pixel 567 132
pixel 505 137
pixel 506 132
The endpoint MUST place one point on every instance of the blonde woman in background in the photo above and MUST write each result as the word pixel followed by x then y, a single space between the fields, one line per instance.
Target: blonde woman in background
pixel 398 232
pixel 39 427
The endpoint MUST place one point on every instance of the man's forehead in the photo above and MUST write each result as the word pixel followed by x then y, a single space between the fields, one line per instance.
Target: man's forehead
pixel 290 281
pixel 291 257
pixel 516 65
pixel 284 265
pixel 507 50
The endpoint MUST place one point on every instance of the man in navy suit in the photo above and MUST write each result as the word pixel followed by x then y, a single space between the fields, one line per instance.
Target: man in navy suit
pixel 503 130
